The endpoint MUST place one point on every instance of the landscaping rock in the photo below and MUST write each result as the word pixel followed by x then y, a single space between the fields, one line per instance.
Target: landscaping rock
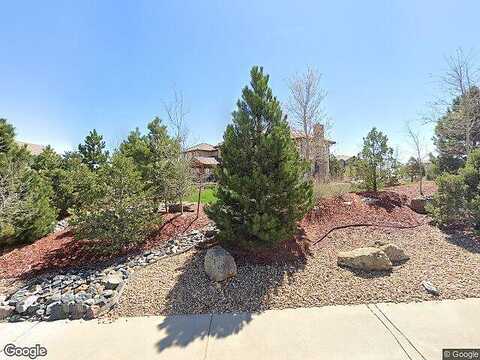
pixel 92 312
pixel 57 311
pixel 6 311
pixel 394 253
pixel 219 264
pixel 418 204
pixel 23 305
pixel 176 208
pixel 77 311
pixel 430 288
pixel 112 281
pixel 84 293
pixel 367 258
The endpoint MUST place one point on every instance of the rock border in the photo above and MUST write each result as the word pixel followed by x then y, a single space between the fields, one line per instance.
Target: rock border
pixel 87 294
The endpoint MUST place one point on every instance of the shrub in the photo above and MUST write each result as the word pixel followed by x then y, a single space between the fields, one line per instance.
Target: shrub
pixel 122 214
pixel 457 200
pixel 75 186
pixel 26 213
pixel 262 187
pixel 448 203
pixel 376 165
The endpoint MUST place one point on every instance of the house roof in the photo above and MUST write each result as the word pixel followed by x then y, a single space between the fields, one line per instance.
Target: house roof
pixel 206 161
pixel 35 149
pixel 300 135
pixel 343 157
pixel 202 147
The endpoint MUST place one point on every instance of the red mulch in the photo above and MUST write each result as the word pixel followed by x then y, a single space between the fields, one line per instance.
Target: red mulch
pixel 61 250
pixel 390 210
pixel 411 190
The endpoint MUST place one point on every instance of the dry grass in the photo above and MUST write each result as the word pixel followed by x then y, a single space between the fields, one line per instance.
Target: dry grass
pixel 331 189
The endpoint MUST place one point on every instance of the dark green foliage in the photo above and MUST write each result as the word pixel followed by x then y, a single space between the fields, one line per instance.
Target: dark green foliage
pixel 7 137
pixel 159 158
pixel 375 164
pixel 337 170
pixel 26 213
pixel 136 147
pixel 262 187
pixel 75 185
pixel 451 130
pixel 93 150
pixel 457 200
pixel 122 215
pixel 413 169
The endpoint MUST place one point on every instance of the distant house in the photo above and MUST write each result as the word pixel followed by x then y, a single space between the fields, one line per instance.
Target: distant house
pixel 206 157
pixel 319 150
pixel 35 149
pixel 344 159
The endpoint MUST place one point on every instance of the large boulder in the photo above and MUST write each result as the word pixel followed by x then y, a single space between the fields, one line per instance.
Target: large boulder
pixel 6 311
pixel 394 253
pixel 112 280
pixel 367 258
pixel 219 264
pixel 418 204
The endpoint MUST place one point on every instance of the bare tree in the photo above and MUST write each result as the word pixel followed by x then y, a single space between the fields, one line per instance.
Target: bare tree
pixel 305 105
pixel 460 80
pixel 181 180
pixel 176 113
pixel 418 145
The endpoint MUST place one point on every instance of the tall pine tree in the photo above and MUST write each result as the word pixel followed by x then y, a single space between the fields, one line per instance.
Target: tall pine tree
pixel 93 150
pixel 262 187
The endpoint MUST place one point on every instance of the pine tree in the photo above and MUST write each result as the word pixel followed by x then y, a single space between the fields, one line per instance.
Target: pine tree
pixel 376 161
pixel 93 150
pixel 26 213
pixel 122 215
pixel 262 187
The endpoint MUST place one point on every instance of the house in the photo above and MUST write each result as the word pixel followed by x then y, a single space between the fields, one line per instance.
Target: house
pixel 206 157
pixel 33 148
pixel 319 150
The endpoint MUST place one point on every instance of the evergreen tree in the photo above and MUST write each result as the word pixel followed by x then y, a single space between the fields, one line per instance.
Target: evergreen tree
pixel 262 187
pixel 26 213
pixel 122 214
pixel 7 136
pixel 460 123
pixel 93 150
pixel 136 147
pixel 376 161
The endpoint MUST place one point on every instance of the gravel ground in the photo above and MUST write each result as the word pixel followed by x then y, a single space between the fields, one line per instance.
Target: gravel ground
pixel 179 285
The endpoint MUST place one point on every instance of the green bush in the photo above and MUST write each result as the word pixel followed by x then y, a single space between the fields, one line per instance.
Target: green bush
pixel 120 214
pixel 26 212
pixel 376 166
pixel 262 187
pixel 448 204
pixel 457 200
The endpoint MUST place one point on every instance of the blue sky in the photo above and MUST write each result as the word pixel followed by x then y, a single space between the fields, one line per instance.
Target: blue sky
pixel 69 66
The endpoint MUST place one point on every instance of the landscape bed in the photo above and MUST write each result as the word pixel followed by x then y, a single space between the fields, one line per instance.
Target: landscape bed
pixel 179 285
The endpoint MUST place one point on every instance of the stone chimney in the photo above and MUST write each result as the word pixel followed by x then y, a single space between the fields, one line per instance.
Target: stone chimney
pixel 318 131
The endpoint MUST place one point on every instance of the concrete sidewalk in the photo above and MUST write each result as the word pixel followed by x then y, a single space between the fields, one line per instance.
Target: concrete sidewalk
pixel 377 331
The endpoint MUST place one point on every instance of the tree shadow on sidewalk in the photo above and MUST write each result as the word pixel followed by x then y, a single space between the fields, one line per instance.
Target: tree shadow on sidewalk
pixel 194 293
